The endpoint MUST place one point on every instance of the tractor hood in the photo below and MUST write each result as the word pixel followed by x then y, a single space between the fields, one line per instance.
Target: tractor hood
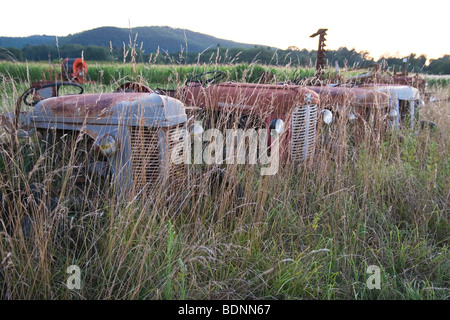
pixel 399 92
pixel 338 97
pixel 130 109
pixel 334 98
pixel 368 98
pixel 250 97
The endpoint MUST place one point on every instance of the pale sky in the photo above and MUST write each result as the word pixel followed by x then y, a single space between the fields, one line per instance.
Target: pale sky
pixel 396 27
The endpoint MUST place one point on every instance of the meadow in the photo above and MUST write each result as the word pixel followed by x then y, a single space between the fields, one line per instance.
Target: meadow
pixel 309 232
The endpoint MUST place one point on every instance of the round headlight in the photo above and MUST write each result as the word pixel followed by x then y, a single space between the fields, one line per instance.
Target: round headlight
pixel 351 117
pixel 277 125
pixel 196 129
pixel 393 114
pixel 106 144
pixel 327 116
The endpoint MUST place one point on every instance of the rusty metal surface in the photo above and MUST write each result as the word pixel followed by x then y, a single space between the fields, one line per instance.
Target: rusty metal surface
pixel 376 78
pixel 399 97
pixel 119 115
pixel 368 106
pixel 334 97
pixel 147 109
pixel 89 105
pixel 262 103
pixel 370 98
pixel 250 98
pixel 321 55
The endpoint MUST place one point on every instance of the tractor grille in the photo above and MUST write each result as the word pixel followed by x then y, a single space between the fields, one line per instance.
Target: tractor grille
pixel 177 172
pixel 145 156
pixel 304 120
pixel 151 150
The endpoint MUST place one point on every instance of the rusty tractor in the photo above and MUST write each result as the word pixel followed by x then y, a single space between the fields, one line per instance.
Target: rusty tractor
pixel 290 112
pixel 301 111
pixel 359 115
pixel 127 137
pixel 405 91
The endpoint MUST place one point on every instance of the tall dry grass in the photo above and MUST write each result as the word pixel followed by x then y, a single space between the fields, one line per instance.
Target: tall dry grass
pixel 437 109
pixel 308 232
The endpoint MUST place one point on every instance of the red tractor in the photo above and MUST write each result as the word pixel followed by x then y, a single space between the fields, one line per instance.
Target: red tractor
pixel 360 115
pixel 291 112
pixel 294 109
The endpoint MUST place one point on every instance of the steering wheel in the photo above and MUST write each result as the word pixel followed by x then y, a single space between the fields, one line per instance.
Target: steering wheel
pixel 47 90
pixel 202 78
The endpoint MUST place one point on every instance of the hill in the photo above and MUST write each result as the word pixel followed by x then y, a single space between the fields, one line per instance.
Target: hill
pixel 20 42
pixel 166 38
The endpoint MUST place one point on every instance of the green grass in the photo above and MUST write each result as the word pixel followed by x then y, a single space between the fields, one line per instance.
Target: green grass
pixel 309 232
pixel 443 81
pixel 112 73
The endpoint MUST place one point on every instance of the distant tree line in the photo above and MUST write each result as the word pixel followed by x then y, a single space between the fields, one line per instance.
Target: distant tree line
pixel 258 54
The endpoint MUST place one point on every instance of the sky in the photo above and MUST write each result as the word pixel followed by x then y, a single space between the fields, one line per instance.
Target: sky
pixel 382 27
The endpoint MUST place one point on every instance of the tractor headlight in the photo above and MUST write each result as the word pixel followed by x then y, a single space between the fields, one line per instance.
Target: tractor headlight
pixel 351 117
pixel 393 114
pixel 106 144
pixel 277 125
pixel 327 116
pixel 196 129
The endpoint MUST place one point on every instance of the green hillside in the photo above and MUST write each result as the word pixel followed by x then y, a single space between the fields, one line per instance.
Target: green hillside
pixel 20 42
pixel 151 38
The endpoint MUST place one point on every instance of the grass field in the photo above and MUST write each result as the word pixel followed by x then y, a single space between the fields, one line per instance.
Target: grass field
pixel 309 232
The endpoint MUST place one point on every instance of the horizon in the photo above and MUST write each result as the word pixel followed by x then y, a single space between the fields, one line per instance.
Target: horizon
pixel 396 54
pixel 259 24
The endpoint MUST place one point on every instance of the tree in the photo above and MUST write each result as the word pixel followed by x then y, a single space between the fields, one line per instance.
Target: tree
pixel 41 52
pixel 439 66
pixel 71 51
pixel 11 54
pixel 96 53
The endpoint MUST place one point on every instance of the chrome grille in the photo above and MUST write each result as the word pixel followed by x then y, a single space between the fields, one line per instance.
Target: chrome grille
pixel 151 153
pixel 144 156
pixel 304 120
pixel 177 169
